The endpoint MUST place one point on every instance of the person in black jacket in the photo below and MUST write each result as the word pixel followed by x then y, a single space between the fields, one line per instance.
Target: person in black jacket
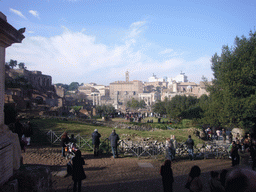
pixel 96 142
pixel 167 175
pixel 78 171
pixel 234 154
pixel 63 142
pixel 190 145
pixel 114 138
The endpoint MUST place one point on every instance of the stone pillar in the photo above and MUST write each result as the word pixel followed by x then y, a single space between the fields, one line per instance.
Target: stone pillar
pixel 2 80
pixel 93 100
pixel 10 152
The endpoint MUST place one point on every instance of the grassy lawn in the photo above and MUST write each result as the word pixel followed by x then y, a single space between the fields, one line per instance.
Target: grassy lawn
pixel 84 129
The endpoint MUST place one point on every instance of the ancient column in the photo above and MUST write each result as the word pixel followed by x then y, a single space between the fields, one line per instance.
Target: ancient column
pixel 9 143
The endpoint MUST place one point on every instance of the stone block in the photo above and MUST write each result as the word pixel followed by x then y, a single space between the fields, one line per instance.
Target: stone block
pixel 35 178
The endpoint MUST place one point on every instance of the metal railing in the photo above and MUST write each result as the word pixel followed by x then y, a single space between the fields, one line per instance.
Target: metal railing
pixel 140 149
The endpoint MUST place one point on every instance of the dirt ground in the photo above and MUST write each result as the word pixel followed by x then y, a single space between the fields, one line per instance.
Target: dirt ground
pixel 105 173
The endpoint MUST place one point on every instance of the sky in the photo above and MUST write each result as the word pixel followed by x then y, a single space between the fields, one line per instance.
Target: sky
pixel 99 40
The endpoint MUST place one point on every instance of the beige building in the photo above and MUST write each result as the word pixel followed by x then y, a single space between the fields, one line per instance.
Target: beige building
pixel 124 89
pixel 184 88
pixel 86 89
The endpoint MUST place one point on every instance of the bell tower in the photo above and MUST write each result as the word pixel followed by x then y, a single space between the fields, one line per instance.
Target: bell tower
pixel 127 76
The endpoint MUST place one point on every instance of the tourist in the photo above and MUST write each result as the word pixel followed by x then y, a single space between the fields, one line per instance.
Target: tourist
pixel 218 134
pixel 247 142
pixel 28 132
pixel 244 156
pixel 230 137
pixel 175 144
pixel 78 171
pixel 214 183
pixel 169 146
pixel 253 153
pixel 195 183
pixel 234 154
pixel 64 141
pixel 18 129
pixel 241 179
pixel 167 176
pixel 209 133
pixel 96 142
pixel 72 139
pixel 224 135
pixel 190 145
pixel 114 138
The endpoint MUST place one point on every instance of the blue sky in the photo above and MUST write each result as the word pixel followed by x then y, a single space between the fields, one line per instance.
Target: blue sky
pixel 98 40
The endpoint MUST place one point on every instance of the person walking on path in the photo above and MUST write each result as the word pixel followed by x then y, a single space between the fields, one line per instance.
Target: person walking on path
pixel 114 138
pixel 194 179
pixel 174 142
pixel 28 132
pixel 63 142
pixel 167 175
pixel 234 154
pixel 96 142
pixel 224 135
pixel 169 147
pixel 190 145
pixel 78 171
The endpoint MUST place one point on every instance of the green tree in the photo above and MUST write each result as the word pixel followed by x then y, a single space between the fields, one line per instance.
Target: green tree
pixel 179 104
pixel 18 82
pixel 134 104
pixel 12 63
pixel 105 110
pixel 142 104
pixel 73 86
pixel 160 107
pixel 233 91
pixel 21 65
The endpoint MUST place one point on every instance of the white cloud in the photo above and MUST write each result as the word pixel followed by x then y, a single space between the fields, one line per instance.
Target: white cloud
pixel 166 51
pixel 136 28
pixel 170 53
pixel 34 13
pixel 75 56
pixel 17 13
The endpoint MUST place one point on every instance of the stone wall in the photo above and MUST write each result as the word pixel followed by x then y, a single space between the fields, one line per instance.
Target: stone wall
pixel 6 159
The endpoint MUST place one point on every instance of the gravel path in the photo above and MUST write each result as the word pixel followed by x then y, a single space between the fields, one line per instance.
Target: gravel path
pixel 122 174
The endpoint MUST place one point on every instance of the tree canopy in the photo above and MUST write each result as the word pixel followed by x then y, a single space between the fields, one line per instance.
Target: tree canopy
pixel 233 98
pixel 135 104
pixel 105 110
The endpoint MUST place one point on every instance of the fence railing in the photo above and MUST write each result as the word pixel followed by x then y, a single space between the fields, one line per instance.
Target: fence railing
pixel 138 149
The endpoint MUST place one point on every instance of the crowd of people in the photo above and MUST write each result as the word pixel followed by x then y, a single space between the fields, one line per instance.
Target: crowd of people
pixel 242 149
pixel 240 152
pixel 235 180
pixel 78 173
